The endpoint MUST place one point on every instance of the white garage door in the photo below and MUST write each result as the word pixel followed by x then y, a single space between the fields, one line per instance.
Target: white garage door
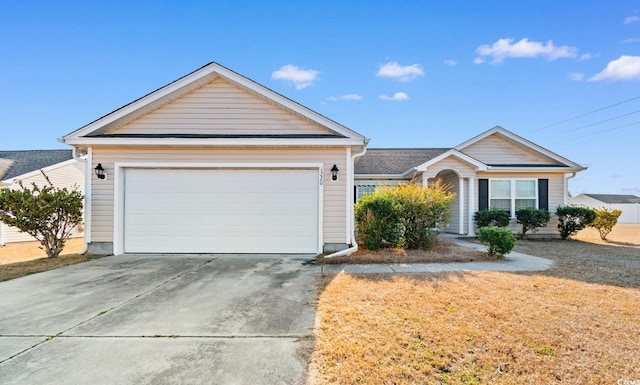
pixel 221 211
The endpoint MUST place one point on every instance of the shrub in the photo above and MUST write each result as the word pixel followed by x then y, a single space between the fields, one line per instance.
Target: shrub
pixel 408 215
pixel 532 219
pixel 573 219
pixel 500 240
pixel 605 220
pixel 47 213
pixel 492 217
pixel 424 210
pixel 378 220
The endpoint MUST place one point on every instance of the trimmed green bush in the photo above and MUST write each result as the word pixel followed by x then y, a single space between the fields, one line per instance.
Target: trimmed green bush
pixel 378 220
pixel 532 220
pixel 500 240
pixel 605 220
pixel 573 219
pixel 492 217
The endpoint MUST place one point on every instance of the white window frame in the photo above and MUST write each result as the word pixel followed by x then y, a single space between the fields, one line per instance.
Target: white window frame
pixel 368 189
pixel 512 196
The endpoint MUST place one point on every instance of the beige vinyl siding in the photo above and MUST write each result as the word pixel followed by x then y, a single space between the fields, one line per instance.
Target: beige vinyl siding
pixel 452 179
pixel 221 108
pixel 496 149
pixel 66 176
pixel 334 192
pixel 451 163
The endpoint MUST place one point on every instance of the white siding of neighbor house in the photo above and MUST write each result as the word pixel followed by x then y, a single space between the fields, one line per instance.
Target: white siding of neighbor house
pixel 69 175
pixel 496 149
pixel 334 192
pixel 630 211
pixel 221 107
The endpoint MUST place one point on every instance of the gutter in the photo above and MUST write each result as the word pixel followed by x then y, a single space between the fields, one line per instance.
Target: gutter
pixel 354 244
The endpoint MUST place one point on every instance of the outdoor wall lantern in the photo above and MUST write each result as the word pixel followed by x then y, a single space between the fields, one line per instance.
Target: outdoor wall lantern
pixel 100 171
pixel 334 172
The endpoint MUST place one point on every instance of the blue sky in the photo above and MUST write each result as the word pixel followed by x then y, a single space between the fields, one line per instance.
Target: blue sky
pixel 564 74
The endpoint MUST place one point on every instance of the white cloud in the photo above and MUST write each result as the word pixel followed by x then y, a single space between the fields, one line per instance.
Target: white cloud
pixel 401 73
pixel 576 76
pixel 451 63
pixel 632 19
pixel 587 56
pixel 631 40
pixel 345 97
pixel 299 77
pixel 478 60
pixel 506 48
pixel 623 68
pixel 397 97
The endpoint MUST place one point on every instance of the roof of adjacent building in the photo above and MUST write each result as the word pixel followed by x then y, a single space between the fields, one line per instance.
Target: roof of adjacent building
pixel 14 163
pixel 394 160
pixel 614 198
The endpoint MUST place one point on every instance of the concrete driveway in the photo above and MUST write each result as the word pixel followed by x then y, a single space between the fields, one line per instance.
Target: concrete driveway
pixel 160 320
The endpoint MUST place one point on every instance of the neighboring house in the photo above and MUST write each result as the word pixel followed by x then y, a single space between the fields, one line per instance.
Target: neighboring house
pixel 216 163
pixel 496 169
pixel 628 204
pixel 25 166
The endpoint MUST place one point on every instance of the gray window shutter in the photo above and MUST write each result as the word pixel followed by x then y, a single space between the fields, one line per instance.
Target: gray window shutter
pixel 483 194
pixel 543 194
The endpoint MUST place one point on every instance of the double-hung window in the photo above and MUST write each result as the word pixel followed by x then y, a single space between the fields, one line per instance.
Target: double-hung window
pixel 513 194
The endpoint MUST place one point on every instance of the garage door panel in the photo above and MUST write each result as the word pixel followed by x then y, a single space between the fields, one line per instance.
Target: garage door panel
pixel 221 211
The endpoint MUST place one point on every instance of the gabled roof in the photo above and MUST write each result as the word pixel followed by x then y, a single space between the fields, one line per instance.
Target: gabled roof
pixel 614 198
pixel 563 162
pixel 23 162
pixel 390 161
pixel 101 130
pixel 456 154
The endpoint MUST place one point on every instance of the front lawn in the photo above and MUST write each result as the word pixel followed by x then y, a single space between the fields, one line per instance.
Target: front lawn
pixel 576 323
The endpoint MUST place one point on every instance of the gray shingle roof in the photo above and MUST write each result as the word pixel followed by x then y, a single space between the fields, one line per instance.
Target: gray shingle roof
pixel 394 160
pixel 614 198
pixel 31 160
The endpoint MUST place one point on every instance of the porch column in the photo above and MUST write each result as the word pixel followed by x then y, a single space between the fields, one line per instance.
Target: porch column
pixel 461 205
pixel 472 198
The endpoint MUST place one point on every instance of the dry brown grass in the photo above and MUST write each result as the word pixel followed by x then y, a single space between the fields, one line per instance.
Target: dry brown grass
pixel 444 251
pixel 473 328
pixel 575 323
pixel 26 251
pixel 25 258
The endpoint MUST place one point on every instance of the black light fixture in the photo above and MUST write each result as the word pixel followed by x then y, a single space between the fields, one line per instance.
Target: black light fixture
pixel 334 172
pixel 100 171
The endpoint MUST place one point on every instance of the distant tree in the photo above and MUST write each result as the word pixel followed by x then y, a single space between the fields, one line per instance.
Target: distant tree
pixel 47 213
pixel 605 220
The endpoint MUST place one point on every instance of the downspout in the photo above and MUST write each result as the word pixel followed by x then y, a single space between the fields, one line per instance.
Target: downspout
pixel 567 176
pixel 87 159
pixel 354 244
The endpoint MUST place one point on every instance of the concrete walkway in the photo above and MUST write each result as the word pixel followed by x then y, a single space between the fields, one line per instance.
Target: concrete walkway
pixel 512 262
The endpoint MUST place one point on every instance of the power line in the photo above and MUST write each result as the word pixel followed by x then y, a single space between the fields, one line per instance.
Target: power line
pixel 586 114
pixel 596 123
pixel 600 132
